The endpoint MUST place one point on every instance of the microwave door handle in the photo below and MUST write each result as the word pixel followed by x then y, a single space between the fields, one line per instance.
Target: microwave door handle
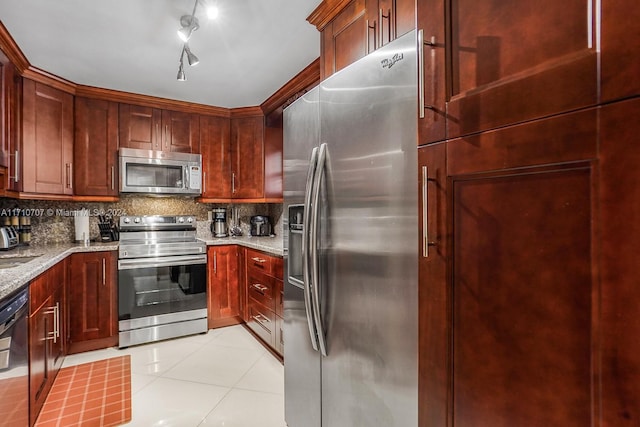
pixel 306 271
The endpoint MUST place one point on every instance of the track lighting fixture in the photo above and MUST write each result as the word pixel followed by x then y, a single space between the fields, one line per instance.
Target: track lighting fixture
pixel 189 24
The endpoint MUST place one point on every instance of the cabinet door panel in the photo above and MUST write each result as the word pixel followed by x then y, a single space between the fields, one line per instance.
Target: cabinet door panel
pixel 432 291
pixel 47 126
pixel 93 313
pixel 96 147
pixel 247 154
pixel 516 61
pixel 181 132
pixel 224 300
pixel 140 127
pixel 521 299
pixel 619 189
pixel 345 39
pixel 216 156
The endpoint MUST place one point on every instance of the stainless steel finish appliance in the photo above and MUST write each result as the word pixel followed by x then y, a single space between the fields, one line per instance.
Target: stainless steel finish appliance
pixel 14 360
pixel 158 172
pixel 260 226
pixel 8 237
pixel 351 288
pixel 219 224
pixel 162 279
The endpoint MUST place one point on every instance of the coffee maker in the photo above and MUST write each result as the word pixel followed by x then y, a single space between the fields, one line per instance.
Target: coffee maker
pixel 219 224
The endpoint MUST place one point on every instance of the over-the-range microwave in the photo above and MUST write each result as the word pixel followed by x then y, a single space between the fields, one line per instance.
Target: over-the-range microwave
pixel 159 172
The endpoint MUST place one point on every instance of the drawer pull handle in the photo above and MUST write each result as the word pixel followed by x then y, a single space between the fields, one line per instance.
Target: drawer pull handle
pixel 260 288
pixel 260 260
pixel 261 319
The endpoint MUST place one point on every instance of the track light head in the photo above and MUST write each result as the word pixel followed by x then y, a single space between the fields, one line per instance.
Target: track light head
pixel 181 75
pixel 193 60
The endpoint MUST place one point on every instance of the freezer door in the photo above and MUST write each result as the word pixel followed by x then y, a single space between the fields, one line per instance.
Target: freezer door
pixel 302 366
pixel 367 240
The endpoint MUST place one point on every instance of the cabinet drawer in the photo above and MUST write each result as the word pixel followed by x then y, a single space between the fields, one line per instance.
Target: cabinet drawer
pixel 258 261
pixel 261 288
pixel 262 322
pixel 38 292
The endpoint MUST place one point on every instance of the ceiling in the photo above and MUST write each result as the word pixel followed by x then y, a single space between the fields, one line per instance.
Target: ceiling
pixel 251 50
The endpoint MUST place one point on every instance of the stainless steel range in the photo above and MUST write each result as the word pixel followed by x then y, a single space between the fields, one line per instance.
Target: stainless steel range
pixel 162 279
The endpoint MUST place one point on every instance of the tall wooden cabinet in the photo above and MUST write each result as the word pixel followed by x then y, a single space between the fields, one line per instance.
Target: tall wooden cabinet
pixel 96 147
pixel 47 140
pixel 93 322
pixel 224 300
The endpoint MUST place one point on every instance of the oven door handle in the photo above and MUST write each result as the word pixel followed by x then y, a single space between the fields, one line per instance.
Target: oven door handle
pixel 165 261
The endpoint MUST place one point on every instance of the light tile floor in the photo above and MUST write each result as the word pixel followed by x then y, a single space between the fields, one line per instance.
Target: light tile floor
pixel 222 378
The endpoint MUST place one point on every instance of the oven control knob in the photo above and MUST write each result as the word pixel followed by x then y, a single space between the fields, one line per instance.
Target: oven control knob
pixel 181 220
pixel 136 220
pixel 189 220
pixel 126 220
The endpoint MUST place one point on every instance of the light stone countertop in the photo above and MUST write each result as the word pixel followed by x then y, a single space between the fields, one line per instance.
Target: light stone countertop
pixel 12 279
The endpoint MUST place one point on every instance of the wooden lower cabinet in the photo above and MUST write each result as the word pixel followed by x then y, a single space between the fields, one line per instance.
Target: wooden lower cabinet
pixel 508 306
pixel 46 334
pixel 223 289
pixel 264 296
pixel 93 319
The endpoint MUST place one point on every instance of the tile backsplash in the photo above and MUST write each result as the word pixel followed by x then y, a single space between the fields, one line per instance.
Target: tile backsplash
pixel 53 221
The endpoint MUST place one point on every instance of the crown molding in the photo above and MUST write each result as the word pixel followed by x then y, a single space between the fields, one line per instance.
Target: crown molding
pixel 10 48
pixel 325 12
pixel 237 113
pixel 305 79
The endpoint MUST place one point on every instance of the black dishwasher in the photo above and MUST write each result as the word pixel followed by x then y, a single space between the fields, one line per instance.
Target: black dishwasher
pixel 14 361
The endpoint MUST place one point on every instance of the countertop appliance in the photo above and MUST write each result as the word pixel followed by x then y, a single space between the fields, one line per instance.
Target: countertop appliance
pixel 219 224
pixel 351 286
pixel 8 237
pixel 159 172
pixel 14 360
pixel 260 225
pixel 162 279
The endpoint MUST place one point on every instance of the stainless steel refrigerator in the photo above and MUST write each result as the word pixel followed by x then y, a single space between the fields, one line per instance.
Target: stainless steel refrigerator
pixel 351 259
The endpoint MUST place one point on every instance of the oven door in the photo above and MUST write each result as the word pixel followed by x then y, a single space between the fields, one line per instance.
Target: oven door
pixel 154 291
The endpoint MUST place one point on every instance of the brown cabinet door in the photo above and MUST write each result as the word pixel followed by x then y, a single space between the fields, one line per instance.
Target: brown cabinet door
pixel 47 139
pixel 619 194
pixel 432 122
pixel 346 39
pixel 40 333
pixel 92 301
pixel 7 74
pixel 181 132
pixel 140 127
pixel 521 297
pixel 216 157
pixel 224 300
pixel 388 20
pixel 516 61
pixel 96 147
pixel 247 157
pixel 432 291
pixel 14 122
pixel 620 54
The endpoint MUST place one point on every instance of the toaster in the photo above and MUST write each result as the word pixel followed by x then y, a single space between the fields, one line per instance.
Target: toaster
pixel 260 225
pixel 8 237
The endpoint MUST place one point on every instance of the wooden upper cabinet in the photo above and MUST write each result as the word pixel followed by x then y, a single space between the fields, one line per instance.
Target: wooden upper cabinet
pixel 96 147
pixel 619 49
pixel 247 157
pixel 388 20
pixel 180 132
pixel 140 127
pixel 47 139
pixel 432 123
pixel 7 131
pixel 512 61
pixel 344 39
pixel 149 128
pixel 216 157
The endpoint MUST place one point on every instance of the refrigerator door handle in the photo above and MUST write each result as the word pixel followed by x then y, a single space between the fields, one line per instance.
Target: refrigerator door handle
pixel 315 269
pixel 306 271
